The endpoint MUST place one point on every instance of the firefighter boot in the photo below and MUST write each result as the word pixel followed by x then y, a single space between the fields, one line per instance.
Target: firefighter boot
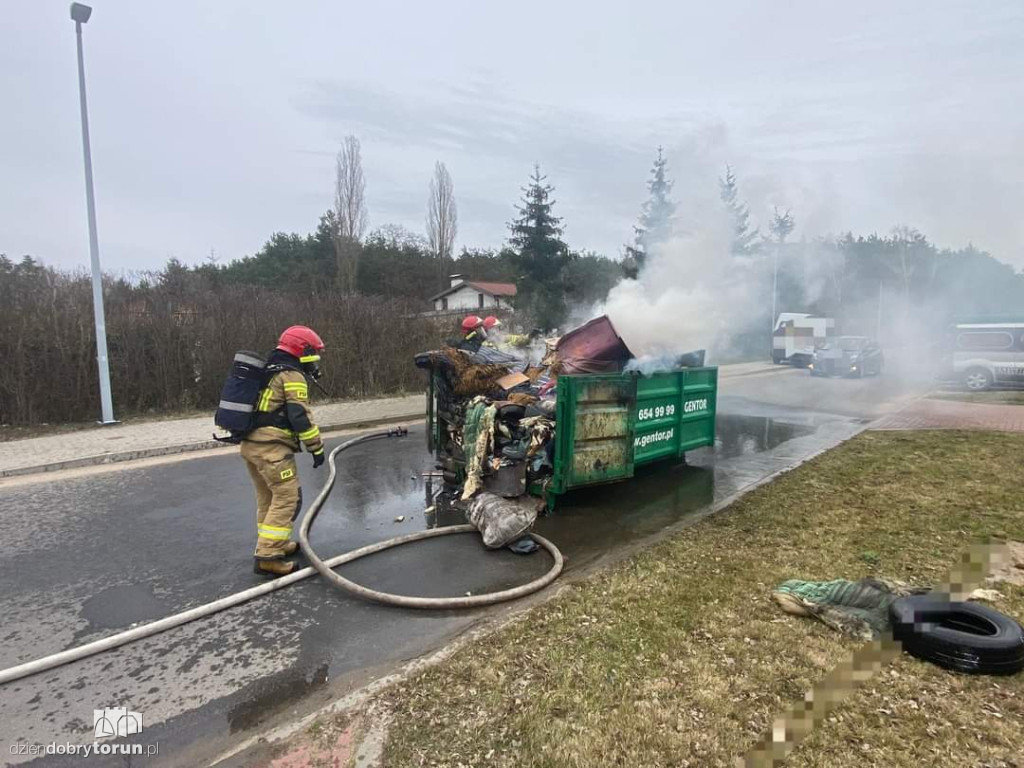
pixel 272 567
pixel 290 548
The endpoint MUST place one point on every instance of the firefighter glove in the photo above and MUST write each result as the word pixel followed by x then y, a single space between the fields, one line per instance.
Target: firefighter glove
pixel 318 458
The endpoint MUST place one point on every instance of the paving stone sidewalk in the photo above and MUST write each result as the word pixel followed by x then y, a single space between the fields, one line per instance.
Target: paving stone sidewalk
pixel 952 414
pixel 125 442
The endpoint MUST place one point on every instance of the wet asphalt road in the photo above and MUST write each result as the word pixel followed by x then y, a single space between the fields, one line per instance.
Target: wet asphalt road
pixel 93 554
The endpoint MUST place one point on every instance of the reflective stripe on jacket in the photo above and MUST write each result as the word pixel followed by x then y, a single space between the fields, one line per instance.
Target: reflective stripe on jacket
pixel 284 414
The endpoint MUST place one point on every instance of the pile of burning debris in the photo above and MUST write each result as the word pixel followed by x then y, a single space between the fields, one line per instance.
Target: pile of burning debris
pixel 496 414
pixel 495 423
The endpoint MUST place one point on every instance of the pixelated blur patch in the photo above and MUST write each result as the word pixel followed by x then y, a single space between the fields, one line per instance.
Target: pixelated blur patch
pixel 791 728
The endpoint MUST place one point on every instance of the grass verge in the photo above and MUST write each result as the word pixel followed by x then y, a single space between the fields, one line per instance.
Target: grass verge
pixel 679 657
pixel 995 397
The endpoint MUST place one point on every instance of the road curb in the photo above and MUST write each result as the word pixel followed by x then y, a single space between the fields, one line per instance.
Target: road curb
pixel 759 372
pixel 174 450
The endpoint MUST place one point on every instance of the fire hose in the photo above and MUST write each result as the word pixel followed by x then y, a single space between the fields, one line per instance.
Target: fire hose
pixel 323 567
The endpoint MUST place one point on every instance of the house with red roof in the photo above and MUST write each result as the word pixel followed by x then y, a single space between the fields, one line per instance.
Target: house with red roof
pixel 465 294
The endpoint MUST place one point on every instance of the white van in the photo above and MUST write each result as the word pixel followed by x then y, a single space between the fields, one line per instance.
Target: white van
pixel 797 335
pixel 984 355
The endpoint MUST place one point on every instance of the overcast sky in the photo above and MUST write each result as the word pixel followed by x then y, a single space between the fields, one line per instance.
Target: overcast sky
pixel 214 124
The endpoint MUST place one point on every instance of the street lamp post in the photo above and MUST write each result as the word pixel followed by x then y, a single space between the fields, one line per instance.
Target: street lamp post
pixel 80 15
pixel 775 293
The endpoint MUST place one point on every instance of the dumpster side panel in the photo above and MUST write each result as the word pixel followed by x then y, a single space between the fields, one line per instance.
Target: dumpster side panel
pixel 700 402
pixel 658 404
pixel 594 430
pixel 675 413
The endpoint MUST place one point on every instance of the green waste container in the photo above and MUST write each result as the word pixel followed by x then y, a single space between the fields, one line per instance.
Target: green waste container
pixel 606 425
pixel 609 424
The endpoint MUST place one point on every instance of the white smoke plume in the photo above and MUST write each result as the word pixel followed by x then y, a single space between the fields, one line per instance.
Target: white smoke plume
pixel 691 294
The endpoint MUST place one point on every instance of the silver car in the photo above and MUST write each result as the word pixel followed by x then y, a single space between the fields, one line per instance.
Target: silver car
pixel 984 355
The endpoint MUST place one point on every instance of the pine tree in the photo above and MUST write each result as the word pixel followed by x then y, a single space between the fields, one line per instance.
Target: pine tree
pixel 656 217
pixel 743 237
pixel 540 253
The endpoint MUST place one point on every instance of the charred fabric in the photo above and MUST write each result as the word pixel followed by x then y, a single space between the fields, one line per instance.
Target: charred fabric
pixel 496 422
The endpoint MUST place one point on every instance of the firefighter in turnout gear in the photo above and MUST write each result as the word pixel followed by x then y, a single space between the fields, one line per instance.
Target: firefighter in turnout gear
pixel 473 334
pixel 284 422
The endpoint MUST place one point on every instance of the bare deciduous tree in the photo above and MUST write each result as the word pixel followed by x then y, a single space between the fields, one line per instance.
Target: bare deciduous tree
pixel 442 216
pixel 349 219
pixel 781 224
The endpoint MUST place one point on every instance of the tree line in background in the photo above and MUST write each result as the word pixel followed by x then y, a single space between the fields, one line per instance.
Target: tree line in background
pixel 883 285
pixel 171 337
pixel 172 332
pixel 394 261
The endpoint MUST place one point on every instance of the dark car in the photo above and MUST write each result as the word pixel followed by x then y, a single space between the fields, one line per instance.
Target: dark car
pixel 848 356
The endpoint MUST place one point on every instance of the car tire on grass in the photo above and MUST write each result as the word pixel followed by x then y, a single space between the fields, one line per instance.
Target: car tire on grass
pixel 977 379
pixel 962 636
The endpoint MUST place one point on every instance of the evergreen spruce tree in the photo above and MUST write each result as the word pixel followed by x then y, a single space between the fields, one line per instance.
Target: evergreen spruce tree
pixel 540 254
pixel 656 218
pixel 743 237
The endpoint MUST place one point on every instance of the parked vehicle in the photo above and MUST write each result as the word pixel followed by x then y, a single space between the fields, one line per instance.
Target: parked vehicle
pixel 797 335
pixel 984 355
pixel 848 356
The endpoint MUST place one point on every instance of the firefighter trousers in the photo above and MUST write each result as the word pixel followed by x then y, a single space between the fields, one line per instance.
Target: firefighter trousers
pixel 275 480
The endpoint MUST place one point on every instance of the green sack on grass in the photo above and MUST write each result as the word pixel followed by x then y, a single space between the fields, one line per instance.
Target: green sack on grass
pixel 859 609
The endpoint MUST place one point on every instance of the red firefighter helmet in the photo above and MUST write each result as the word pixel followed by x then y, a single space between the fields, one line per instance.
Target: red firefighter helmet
pixel 490 321
pixel 471 323
pixel 298 340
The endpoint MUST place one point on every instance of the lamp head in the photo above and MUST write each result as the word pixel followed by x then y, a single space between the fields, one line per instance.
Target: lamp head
pixel 80 13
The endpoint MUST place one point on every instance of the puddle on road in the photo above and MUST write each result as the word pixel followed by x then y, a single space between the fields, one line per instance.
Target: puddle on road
pixel 592 522
pixel 117 607
pixel 739 435
pixel 373 489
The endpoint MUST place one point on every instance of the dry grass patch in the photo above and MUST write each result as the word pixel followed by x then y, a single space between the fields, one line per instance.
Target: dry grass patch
pixel 680 658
